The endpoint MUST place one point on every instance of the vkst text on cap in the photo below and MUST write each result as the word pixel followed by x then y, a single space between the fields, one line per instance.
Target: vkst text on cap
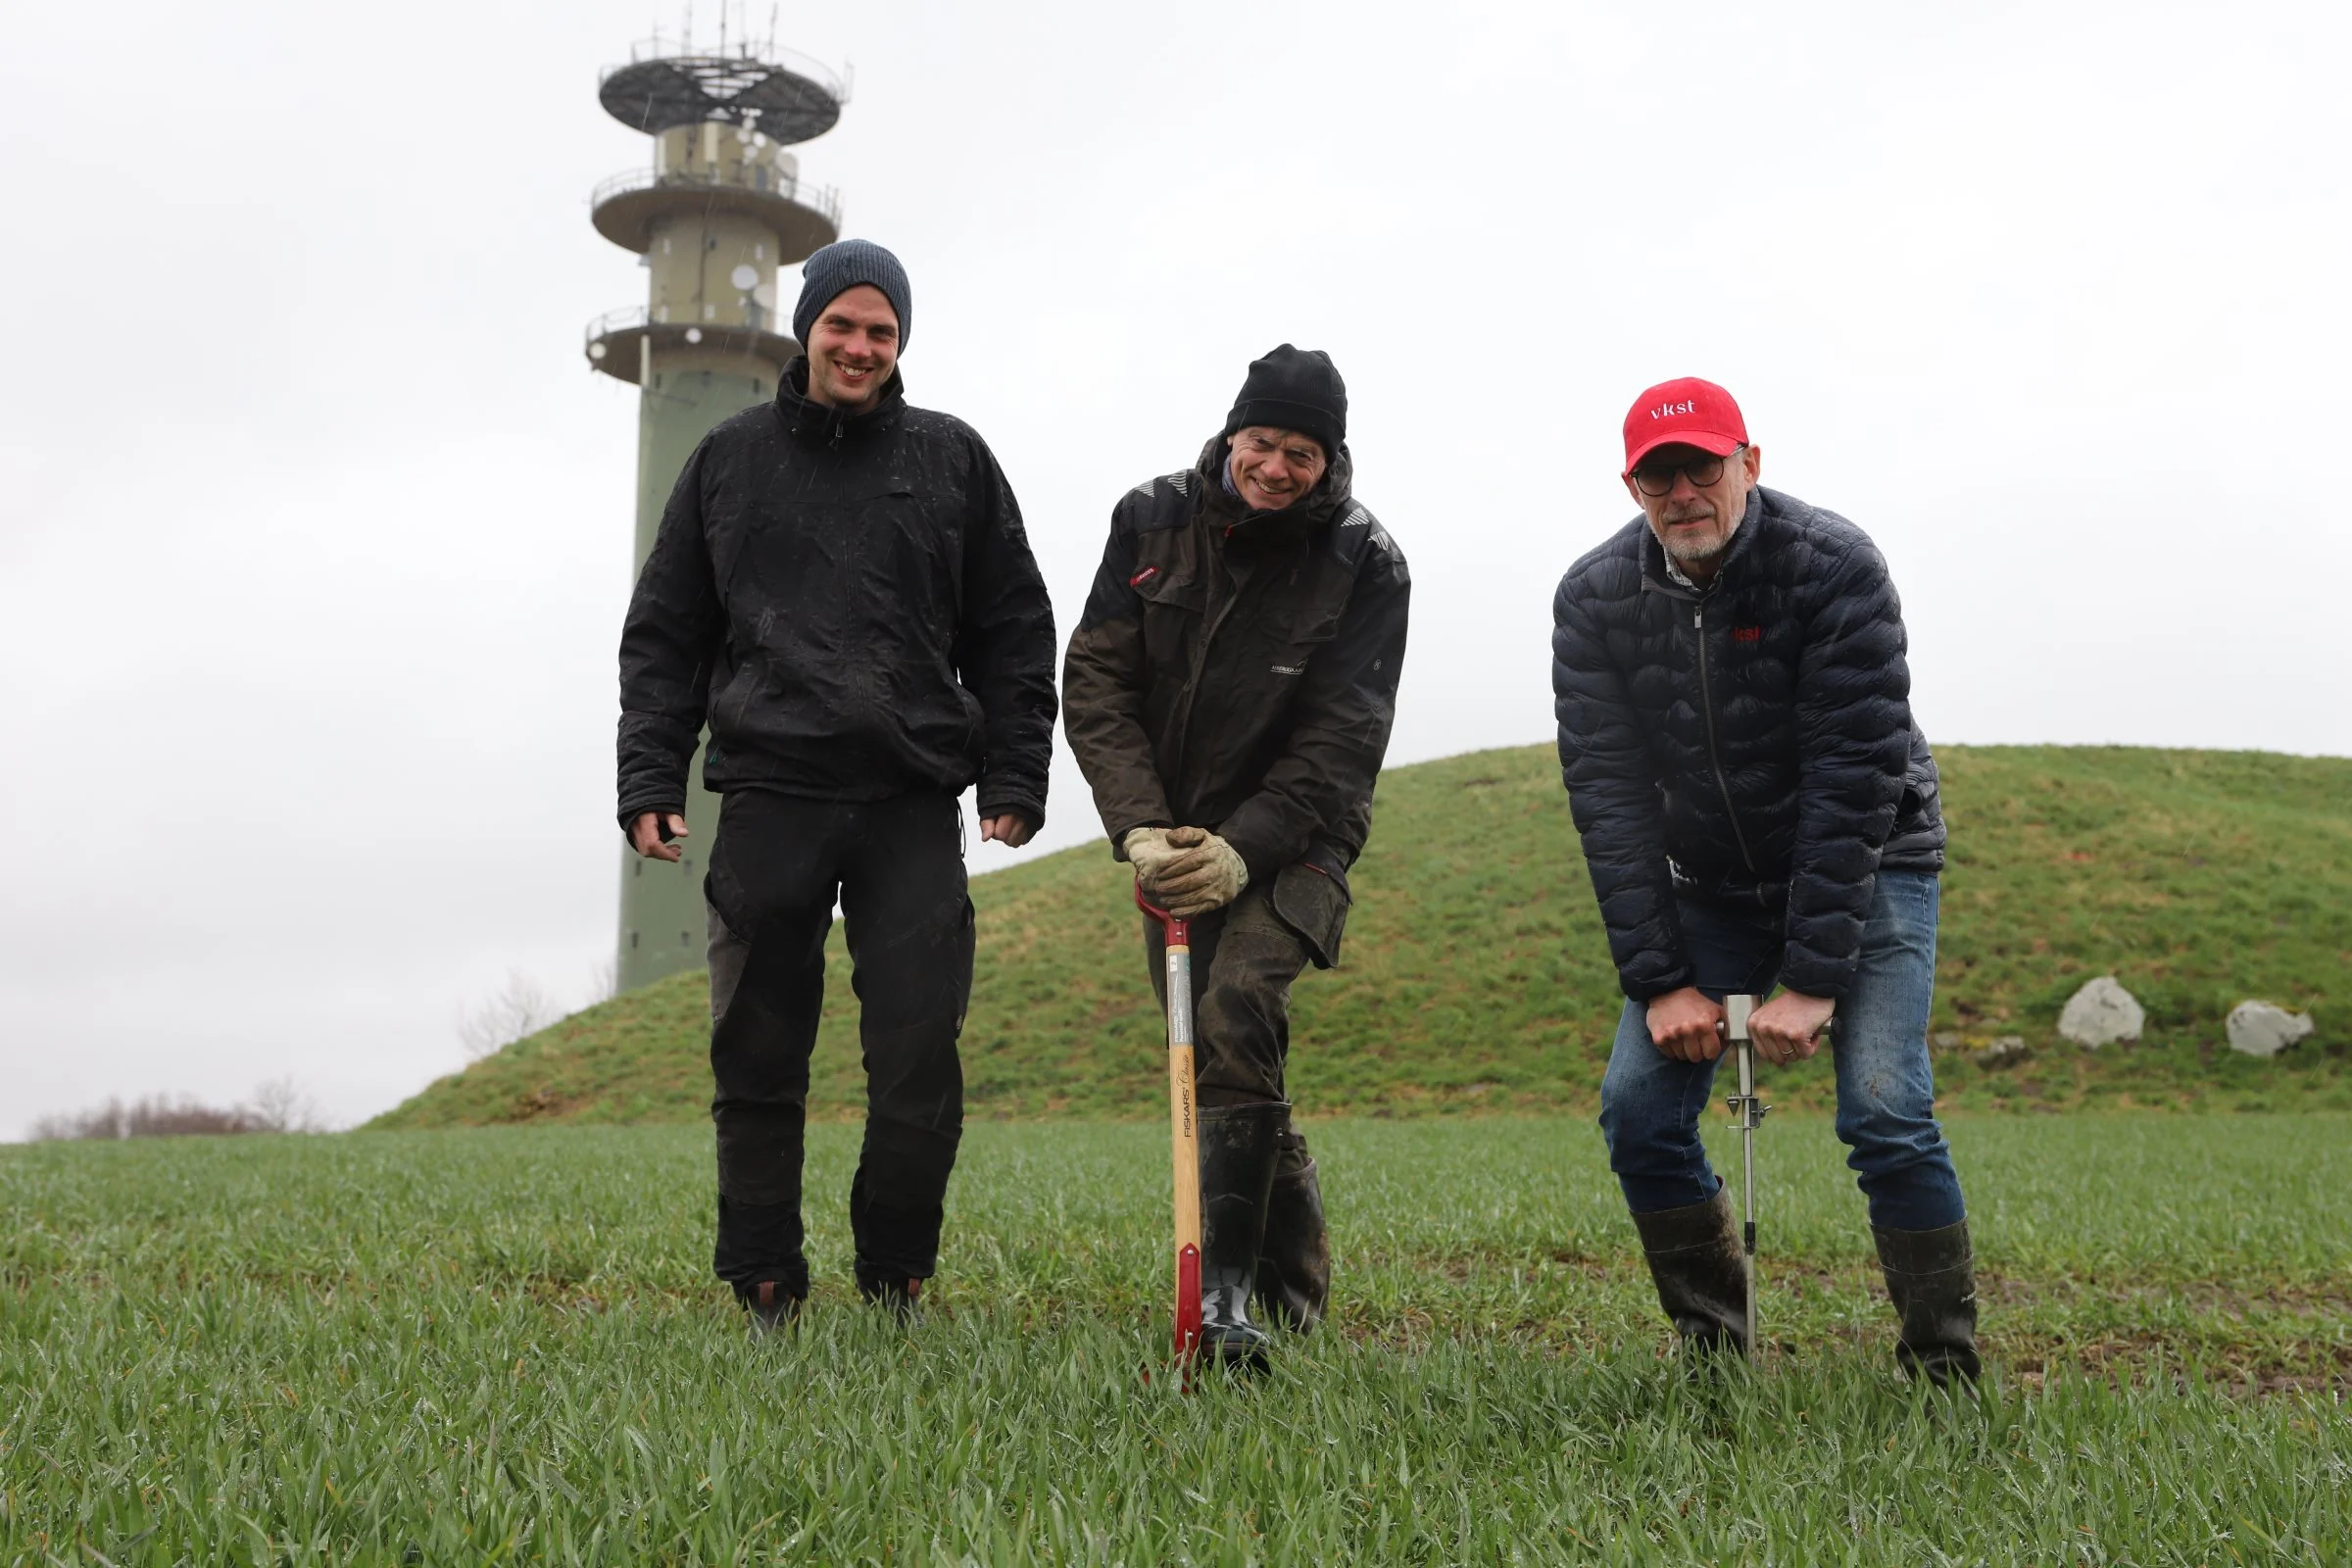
pixel 1686 412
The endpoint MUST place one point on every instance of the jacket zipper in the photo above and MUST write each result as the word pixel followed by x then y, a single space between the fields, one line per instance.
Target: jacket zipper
pixel 1706 705
pixel 1209 631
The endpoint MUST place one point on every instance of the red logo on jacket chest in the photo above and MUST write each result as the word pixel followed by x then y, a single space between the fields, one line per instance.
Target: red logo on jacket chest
pixel 1143 576
pixel 1748 634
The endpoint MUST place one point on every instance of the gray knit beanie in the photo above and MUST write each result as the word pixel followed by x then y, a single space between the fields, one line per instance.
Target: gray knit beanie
pixel 842 265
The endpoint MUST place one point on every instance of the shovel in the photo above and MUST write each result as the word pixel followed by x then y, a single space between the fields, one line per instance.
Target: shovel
pixel 1183 1131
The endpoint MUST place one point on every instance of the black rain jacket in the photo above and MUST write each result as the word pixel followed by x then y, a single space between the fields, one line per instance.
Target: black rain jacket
pixel 849 600
pixel 1750 744
pixel 1237 671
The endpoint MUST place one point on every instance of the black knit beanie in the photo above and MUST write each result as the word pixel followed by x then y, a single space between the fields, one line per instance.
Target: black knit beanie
pixel 843 266
pixel 1294 389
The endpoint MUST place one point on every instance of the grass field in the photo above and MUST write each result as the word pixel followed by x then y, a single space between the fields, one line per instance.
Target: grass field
pixel 501 1346
pixel 1476 977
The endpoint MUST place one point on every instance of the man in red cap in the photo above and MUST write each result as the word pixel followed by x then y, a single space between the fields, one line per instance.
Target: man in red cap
pixel 1758 810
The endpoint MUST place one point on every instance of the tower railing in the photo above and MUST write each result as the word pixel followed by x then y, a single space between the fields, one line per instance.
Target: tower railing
pixel 824 199
pixel 619 321
pixel 748 52
pixel 755 317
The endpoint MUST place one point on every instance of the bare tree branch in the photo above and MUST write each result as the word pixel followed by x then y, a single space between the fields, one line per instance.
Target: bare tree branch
pixel 519 1008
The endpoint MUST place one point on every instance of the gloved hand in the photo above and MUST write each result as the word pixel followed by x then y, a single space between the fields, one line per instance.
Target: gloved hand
pixel 1204 873
pixel 1149 850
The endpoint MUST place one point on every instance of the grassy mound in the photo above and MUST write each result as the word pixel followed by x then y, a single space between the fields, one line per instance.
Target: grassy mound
pixel 1476 977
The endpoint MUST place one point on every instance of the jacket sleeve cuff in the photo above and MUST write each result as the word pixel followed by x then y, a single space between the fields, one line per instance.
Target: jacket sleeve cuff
pixel 1119 836
pixel 1032 811
pixel 1809 970
pixel 1261 861
pixel 1648 988
pixel 1814 978
pixel 632 810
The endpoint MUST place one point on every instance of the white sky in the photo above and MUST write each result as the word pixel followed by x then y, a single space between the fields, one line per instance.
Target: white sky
pixel 315 529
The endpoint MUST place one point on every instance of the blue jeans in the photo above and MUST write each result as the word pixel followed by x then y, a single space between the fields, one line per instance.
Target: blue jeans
pixel 1650 1104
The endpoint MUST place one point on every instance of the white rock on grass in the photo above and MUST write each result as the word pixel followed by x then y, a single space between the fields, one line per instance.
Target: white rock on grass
pixel 2101 1013
pixel 2003 1051
pixel 2260 1029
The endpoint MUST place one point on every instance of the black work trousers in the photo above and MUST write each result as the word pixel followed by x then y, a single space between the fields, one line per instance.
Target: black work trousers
pixel 897 866
pixel 1244 959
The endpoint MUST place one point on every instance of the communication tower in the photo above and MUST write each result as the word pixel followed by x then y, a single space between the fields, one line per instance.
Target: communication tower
pixel 720 208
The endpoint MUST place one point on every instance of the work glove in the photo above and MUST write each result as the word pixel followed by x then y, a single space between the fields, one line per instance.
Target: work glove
pixel 1149 850
pixel 1204 873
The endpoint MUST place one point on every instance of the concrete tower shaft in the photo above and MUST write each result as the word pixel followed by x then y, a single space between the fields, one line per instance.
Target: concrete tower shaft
pixel 722 207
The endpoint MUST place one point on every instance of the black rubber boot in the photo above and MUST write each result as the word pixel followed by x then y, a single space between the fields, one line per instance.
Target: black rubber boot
pixel 1702 1273
pixel 1931 1277
pixel 1294 1261
pixel 901 1298
pixel 771 1304
pixel 761 1243
pixel 1236 1170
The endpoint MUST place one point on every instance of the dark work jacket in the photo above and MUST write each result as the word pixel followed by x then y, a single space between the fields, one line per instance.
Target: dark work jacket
pixel 850 602
pixel 1237 671
pixel 1750 744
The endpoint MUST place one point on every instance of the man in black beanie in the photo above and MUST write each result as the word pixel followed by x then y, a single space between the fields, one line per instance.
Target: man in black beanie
pixel 1230 691
pixel 842 591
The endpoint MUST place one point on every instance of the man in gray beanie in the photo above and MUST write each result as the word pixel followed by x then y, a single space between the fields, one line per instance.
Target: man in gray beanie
pixel 842 590
pixel 1231 688
pixel 849 263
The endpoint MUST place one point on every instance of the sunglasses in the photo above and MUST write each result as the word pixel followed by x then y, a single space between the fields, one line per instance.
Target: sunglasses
pixel 1657 478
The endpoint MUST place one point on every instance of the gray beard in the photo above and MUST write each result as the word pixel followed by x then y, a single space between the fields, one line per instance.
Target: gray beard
pixel 1698 555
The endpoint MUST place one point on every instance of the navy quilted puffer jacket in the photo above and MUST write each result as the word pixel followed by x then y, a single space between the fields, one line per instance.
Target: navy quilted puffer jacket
pixel 1749 744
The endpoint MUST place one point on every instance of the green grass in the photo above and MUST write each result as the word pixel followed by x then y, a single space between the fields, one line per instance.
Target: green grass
pixel 445 1348
pixel 1476 978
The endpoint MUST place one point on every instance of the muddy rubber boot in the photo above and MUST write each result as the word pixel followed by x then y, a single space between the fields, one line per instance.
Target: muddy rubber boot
pixel 1702 1273
pixel 1932 1278
pixel 1236 1170
pixel 771 1305
pixel 1294 1261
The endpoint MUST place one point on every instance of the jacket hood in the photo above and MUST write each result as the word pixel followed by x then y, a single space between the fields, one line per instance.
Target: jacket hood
pixel 823 424
pixel 1313 511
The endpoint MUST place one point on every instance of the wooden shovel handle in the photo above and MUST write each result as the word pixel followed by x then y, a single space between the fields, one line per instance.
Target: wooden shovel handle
pixel 1184 1129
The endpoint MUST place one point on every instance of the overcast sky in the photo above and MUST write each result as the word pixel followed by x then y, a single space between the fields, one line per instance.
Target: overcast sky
pixel 315 529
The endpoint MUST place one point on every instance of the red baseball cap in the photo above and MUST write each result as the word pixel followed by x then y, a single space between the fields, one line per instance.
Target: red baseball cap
pixel 1686 412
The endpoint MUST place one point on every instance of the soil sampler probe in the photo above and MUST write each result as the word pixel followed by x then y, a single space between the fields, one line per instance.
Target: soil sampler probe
pixel 1750 1112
